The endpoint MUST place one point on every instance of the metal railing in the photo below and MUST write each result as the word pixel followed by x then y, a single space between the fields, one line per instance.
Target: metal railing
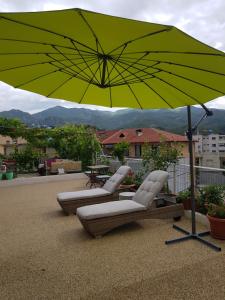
pixel 179 174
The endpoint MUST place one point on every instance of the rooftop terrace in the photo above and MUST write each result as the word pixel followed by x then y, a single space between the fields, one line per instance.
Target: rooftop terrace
pixel 47 255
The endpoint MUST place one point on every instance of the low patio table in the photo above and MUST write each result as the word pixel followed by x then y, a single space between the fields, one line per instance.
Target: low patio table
pixel 126 195
pixel 102 179
pixel 96 170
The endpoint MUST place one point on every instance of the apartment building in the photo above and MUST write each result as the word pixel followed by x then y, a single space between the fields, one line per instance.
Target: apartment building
pixel 210 150
pixel 212 143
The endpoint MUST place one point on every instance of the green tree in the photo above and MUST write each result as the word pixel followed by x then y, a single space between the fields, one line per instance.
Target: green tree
pixel 12 127
pixel 39 137
pixel 120 150
pixel 160 157
pixel 26 159
pixel 76 143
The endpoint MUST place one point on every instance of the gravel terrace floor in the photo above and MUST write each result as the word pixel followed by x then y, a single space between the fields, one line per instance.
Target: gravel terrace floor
pixel 47 255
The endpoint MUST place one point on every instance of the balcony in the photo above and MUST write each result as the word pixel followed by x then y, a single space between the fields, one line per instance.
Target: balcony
pixel 47 255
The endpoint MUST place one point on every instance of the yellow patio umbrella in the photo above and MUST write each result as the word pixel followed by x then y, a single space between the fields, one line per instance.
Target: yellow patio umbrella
pixel 92 58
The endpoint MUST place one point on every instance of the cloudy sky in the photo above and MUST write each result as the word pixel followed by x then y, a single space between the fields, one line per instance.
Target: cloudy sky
pixel 203 19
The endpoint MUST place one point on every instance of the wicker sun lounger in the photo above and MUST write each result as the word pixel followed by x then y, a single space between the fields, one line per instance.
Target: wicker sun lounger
pixel 100 218
pixel 70 201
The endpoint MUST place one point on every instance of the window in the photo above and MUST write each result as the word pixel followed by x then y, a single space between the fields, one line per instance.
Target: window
pixel 213 138
pixel 137 150
pixel 213 145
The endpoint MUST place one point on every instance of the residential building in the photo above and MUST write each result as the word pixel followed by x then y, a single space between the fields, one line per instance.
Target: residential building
pixel 212 143
pixel 137 137
pixel 7 144
pixel 210 150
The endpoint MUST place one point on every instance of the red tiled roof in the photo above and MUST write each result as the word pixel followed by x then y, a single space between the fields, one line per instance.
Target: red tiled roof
pixel 142 135
pixel 104 134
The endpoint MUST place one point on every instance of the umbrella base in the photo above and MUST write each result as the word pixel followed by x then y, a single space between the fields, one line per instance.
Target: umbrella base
pixel 195 236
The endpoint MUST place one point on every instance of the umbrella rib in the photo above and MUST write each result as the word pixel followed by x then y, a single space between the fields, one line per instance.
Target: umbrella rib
pixel 179 52
pixel 139 70
pixel 199 83
pixel 118 57
pixel 99 61
pixel 153 91
pixel 190 67
pixel 43 75
pixel 110 91
pixel 34 64
pixel 39 53
pixel 75 75
pixel 62 84
pixel 76 48
pixel 138 102
pixel 91 29
pixel 46 30
pixel 44 43
pixel 182 65
pixel 89 83
pixel 141 77
pixel 73 72
pixel 184 77
pixel 168 83
pixel 151 88
pixel 142 37
pixel 87 78
pixel 58 87
pixel 129 66
pixel 38 77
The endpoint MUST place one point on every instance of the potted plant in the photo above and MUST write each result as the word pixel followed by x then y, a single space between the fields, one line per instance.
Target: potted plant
pixel 211 194
pixel 128 182
pixel 185 198
pixel 216 217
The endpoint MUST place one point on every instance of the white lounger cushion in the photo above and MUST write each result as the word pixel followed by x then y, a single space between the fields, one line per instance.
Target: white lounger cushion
pixel 114 181
pixel 108 209
pixel 150 187
pixel 97 192
pixel 109 187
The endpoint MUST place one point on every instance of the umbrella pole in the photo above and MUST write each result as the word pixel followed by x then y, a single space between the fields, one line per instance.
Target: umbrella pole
pixel 191 164
pixel 193 234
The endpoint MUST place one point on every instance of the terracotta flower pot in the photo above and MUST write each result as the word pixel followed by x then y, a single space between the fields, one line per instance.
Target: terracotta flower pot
pixel 217 227
pixel 187 204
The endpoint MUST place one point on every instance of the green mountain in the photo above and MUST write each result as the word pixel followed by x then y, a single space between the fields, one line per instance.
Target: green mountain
pixel 174 120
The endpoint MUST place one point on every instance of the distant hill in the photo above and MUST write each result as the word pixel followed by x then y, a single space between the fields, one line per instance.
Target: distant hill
pixel 174 120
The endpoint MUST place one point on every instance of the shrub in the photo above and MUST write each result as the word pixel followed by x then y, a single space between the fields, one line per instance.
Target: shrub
pixel 183 195
pixel 129 179
pixel 216 211
pixel 120 150
pixel 211 194
pixel 27 159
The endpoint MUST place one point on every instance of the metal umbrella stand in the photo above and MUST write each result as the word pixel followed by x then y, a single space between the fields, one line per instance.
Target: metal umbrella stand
pixel 92 58
pixel 193 234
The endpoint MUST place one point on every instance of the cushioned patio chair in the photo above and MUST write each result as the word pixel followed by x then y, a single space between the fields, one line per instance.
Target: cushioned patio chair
pixel 100 218
pixel 70 201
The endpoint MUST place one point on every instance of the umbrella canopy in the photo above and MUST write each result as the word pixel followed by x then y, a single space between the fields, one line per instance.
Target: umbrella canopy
pixel 92 58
